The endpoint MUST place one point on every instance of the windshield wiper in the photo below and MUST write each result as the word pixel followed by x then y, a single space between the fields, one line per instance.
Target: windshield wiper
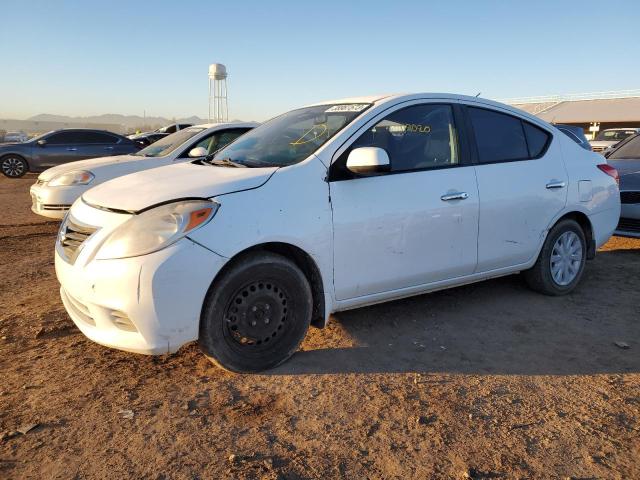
pixel 224 162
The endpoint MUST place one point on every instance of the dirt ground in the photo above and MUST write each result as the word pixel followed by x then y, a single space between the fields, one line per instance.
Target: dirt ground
pixel 484 381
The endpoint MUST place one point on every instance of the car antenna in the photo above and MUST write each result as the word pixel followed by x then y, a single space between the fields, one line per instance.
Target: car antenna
pixel 478 94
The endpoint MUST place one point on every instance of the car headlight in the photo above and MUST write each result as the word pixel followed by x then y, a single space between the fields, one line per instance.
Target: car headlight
pixel 75 177
pixel 157 228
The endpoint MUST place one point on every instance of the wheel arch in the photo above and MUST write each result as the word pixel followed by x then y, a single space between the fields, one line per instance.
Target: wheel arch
pixel 583 220
pixel 303 261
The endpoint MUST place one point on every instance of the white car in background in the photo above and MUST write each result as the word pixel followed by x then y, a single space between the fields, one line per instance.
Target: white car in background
pixel 610 137
pixel 15 137
pixel 326 208
pixel 58 187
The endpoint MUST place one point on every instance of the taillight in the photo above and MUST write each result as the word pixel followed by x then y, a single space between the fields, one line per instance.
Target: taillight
pixel 609 170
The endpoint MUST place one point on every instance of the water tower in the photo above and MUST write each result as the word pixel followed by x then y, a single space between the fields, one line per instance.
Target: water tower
pixel 218 103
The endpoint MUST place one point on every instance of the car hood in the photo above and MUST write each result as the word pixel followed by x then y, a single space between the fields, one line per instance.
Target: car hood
pixel 185 180
pixel 629 171
pixel 94 165
pixel 13 145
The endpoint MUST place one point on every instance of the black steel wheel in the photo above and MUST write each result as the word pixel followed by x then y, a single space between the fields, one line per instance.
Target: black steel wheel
pixel 13 166
pixel 257 314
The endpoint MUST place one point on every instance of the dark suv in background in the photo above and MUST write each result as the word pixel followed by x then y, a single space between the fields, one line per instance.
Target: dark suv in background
pixel 574 133
pixel 61 146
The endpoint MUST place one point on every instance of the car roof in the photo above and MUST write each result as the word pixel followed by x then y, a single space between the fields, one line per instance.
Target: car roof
pixel 84 130
pixel 396 97
pixel 221 125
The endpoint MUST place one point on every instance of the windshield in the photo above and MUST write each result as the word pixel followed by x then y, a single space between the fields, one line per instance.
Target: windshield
pixel 631 149
pixel 168 144
pixel 291 137
pixel 614 135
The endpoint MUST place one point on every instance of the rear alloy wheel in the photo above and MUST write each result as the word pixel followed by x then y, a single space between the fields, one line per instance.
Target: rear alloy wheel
pixel 561 262
pixel 14 166
pixel 257 314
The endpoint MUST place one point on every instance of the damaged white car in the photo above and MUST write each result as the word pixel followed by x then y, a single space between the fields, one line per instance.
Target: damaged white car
pixel 326 208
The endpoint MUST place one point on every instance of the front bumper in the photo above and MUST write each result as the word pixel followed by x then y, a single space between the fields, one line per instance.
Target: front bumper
pixel 149 304
pixel 53 202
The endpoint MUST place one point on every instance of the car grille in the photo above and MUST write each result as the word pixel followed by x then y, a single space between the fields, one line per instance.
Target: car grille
pixel 630 197
pixel 72 237
pixel 629 225
pixel 58 208
pixel 78 309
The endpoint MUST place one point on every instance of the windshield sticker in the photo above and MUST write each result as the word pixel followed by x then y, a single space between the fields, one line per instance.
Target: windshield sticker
pixel 412 127
pixel 314 133
pixel 352 107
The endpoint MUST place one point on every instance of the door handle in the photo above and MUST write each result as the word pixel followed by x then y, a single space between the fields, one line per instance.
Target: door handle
pixel 554 184
pixel 71 149
pixel 108 148
pixel 454 196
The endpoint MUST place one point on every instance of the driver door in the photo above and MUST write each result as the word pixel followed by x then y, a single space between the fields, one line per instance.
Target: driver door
pixel 414 225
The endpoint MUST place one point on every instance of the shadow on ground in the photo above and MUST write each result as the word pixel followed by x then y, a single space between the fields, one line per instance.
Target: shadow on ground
pixel 494 327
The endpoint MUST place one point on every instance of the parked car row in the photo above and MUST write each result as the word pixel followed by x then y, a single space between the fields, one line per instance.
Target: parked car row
pixel 147 138
pixel 324 208
pixel 58 187
pixel 68 145
pixel 61 146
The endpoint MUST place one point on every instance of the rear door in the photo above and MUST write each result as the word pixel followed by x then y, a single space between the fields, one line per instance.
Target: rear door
pixel 522 183
pixel 414 225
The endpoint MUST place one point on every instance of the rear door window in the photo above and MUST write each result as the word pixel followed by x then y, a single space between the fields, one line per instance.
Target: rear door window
pixel 501 137
pixel 96 137
pixel 536 139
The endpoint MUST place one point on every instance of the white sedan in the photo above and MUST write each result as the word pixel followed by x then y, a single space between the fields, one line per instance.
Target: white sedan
pixel 326 208
pixel 58 187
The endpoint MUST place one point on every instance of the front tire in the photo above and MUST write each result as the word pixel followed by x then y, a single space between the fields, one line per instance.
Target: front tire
pixel 561 262
pixel 257 314
pixel 13 166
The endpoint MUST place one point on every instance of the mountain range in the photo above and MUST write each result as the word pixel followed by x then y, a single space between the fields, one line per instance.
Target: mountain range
pixel 129 121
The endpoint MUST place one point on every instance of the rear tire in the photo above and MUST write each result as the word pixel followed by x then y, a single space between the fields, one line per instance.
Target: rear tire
pixel 257 314
pixel 13 166
pixel 561 262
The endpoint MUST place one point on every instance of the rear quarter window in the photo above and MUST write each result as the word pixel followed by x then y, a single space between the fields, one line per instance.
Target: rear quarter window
pixel 537 139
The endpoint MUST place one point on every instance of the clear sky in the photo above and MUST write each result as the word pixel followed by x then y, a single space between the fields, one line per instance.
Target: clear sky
pixel 92 57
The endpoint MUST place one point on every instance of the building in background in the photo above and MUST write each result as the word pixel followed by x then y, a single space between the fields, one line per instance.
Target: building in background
pixel 593 112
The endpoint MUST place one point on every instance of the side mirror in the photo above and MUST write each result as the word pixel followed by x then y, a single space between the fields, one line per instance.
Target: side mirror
pixel 368 160
pixel 198 152
pixel 41 143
